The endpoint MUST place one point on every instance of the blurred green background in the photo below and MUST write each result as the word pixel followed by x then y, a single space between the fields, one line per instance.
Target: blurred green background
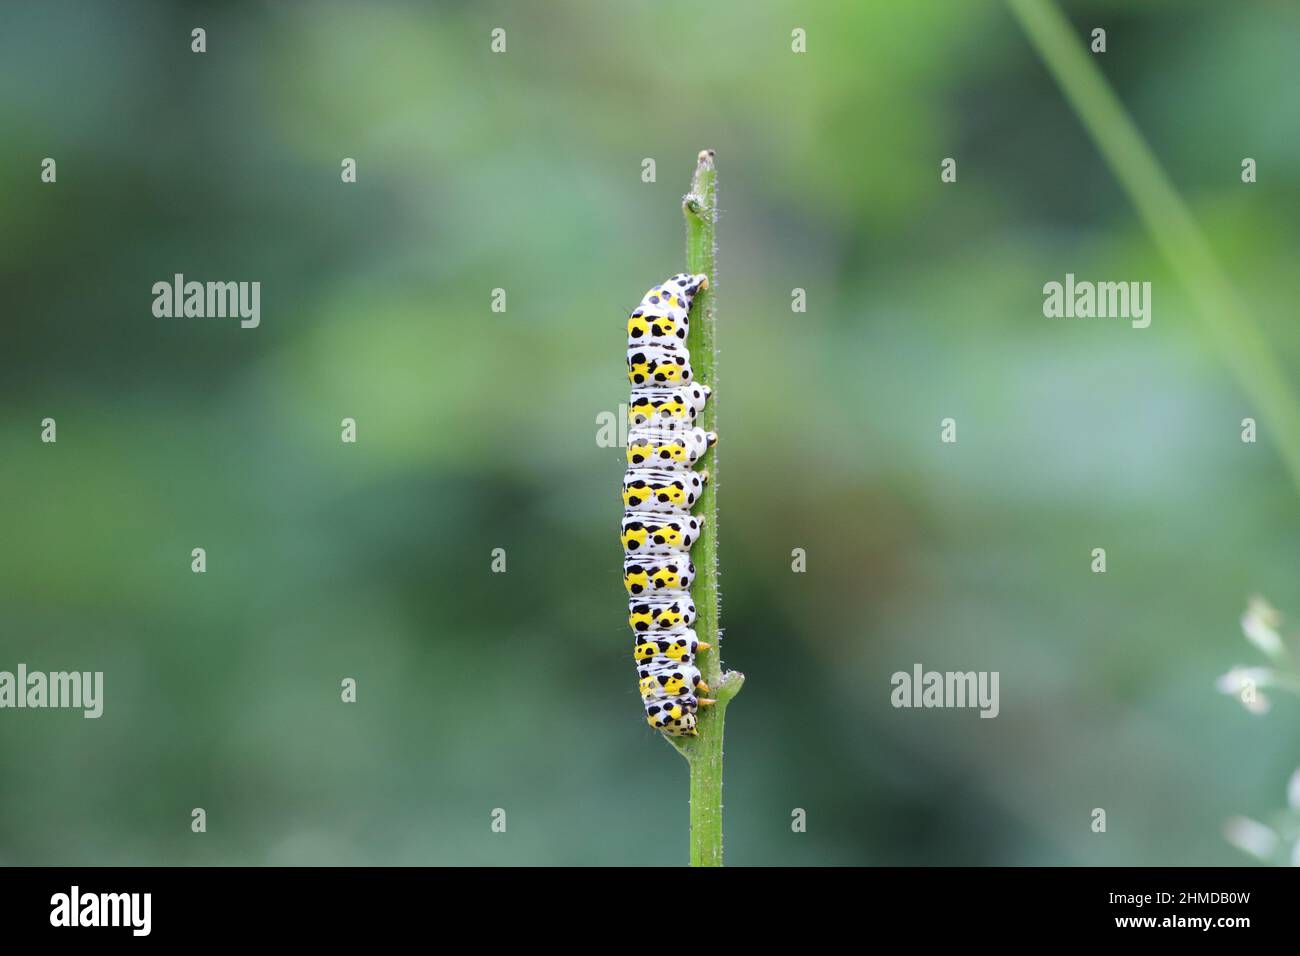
pixel 476 430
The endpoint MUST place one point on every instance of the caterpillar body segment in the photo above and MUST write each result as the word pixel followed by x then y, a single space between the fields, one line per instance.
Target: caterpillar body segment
pixel 650 575
pixel 673 492
pixel 661 614
pixel 667 446
pixel 671 406
pixel 658 365
pixel 678 648
pixel 665 678
pixel 645 533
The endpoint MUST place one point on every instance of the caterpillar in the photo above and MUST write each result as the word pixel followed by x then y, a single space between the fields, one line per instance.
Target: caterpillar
pixel 660 487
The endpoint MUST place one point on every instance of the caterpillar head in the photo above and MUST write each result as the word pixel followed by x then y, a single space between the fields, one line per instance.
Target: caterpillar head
pixel 688 286
pixel 673 721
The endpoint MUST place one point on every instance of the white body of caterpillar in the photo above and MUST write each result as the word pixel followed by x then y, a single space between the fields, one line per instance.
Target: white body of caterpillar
pixel 659 490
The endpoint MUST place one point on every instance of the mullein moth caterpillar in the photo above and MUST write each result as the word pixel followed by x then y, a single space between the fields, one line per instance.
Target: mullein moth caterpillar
pixel 659 489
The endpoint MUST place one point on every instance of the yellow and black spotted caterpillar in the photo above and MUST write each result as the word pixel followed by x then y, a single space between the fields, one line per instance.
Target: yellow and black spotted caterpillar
pixel 659 490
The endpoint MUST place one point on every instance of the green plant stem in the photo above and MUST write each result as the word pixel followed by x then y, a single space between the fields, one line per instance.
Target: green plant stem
pixel 704 752
pixel 1233 329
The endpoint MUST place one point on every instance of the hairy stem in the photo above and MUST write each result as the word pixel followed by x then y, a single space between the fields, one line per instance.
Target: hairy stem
pixel 704 752
pixel 1233 329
